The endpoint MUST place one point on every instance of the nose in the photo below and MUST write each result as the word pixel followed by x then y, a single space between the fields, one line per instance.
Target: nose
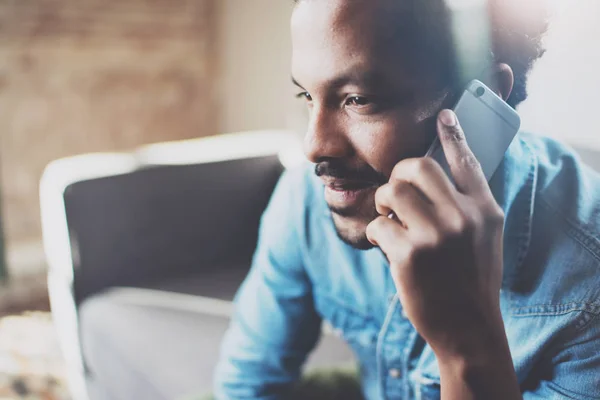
pixel 326 136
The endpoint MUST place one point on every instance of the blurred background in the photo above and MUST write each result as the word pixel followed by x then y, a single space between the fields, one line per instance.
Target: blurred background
pixel 87 76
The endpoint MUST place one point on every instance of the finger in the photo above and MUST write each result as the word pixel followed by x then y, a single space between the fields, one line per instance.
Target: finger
pixel 390 237
pixel 429 177
pixel 410 206
pixel 464 166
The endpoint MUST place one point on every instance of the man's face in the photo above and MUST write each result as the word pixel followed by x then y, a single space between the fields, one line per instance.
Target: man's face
pixel 370 103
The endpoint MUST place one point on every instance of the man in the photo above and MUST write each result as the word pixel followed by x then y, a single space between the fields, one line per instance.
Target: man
pixel 495 289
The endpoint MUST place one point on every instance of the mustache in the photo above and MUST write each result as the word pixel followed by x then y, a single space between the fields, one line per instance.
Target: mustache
pixel 336 169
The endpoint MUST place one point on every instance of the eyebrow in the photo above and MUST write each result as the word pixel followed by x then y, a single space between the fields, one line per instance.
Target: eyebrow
pixel 295 82
pixel 372 79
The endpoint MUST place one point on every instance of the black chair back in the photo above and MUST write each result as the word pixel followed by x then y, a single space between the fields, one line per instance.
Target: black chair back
pixel 166 221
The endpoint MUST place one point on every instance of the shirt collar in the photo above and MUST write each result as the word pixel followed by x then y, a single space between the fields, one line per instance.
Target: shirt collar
pixel 513 186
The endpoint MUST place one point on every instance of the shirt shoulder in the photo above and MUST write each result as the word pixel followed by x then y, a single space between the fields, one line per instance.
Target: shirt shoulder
pixel 569 190
pixel 566 184
pixel 561 273
pixel 295 198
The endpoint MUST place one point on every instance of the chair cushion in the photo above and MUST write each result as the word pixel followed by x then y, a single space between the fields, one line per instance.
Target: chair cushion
pixel 135 348
pixel 219 283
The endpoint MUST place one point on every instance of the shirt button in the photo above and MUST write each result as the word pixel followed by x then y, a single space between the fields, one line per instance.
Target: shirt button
pixel 394 373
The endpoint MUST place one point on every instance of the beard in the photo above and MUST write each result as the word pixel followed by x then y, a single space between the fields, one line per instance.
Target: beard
pixel 359 243
pixel 351 221
pixel 351 228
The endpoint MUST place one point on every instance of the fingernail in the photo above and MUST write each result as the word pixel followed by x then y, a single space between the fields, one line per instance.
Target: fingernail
pixel 448 118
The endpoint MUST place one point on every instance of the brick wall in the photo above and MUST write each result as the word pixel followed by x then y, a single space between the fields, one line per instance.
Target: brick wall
pixel 96 75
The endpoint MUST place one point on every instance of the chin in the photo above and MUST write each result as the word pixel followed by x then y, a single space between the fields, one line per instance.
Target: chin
pixel 353 231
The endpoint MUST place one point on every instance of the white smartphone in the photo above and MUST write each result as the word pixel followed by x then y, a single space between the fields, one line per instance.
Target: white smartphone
pixel 489 124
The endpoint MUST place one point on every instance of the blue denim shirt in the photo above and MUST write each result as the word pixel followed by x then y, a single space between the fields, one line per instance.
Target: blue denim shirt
pixel 303 273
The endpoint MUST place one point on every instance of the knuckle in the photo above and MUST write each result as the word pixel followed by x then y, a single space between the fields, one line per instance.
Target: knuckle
pixel 380 193
pixel 456 225
pixel 453 134
pixel 397 170
pixel 495 216
pixel 375 225
pixel 469 161
pixel 470 223
pixel 479 222
pixel 414 254
pixel 372 227
pixel 450 233
pixel 424 245
pixel 384 195
pixel 424 166
pixel 435 240
pixel 496 211
pixel 401 188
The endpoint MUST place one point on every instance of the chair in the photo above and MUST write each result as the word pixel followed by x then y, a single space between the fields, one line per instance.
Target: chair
pixel 154 244
pixel 146 250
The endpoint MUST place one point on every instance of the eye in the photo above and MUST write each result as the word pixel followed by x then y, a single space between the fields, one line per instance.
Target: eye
pixel 357 101
pixel 304 95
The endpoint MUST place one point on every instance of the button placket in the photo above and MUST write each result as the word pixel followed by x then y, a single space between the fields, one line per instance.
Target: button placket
pixel 394 373
pixel 389 353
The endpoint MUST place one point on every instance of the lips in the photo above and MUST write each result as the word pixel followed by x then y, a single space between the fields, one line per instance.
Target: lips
pixel 345 185
pixel 346 196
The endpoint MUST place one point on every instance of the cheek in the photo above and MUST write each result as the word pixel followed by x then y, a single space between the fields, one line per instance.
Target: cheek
pixel 384 143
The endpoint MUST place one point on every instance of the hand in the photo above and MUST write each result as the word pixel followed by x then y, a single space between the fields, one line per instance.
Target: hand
pixel 445 248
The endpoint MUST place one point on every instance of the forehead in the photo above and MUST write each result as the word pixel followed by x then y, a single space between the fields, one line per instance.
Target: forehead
pixel 330 37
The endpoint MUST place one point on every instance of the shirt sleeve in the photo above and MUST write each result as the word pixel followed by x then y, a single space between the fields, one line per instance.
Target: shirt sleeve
pixel 274 325
pixel 573 372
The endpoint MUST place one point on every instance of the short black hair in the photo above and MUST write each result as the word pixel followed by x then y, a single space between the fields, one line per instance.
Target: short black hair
pixel 516 29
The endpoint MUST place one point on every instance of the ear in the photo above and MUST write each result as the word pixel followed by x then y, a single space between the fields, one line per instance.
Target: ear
pixel 501 79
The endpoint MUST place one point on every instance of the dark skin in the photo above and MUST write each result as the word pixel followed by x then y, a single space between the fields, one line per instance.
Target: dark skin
pixel 373 114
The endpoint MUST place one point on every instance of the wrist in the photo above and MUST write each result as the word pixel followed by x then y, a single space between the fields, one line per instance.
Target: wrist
pixel 473 343
pixel 488 376
pixel 479 348
pixel 466 362
pixel 481 369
